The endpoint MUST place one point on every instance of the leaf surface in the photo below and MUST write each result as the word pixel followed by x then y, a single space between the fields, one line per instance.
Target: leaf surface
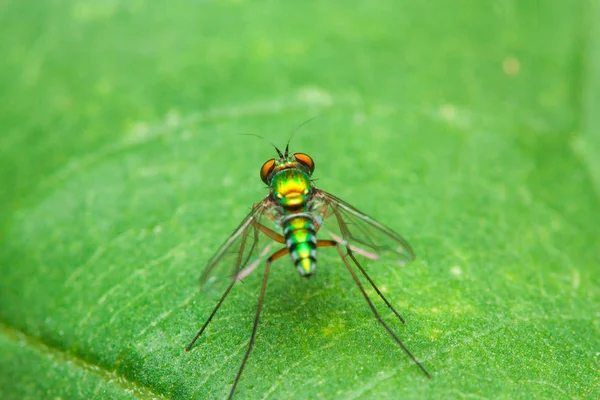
pixel 470 128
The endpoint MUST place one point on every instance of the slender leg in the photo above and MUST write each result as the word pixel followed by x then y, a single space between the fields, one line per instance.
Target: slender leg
pixel 270 233
pixel 272 258
pixel 212 314
pixel 267 231
pixel 326 243
pixel 346 233
pixel 233 281
pixel 375 313
pixel 374 286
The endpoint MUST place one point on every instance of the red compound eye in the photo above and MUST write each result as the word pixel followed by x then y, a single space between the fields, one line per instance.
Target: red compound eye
pixel 266 169
pixel 306 160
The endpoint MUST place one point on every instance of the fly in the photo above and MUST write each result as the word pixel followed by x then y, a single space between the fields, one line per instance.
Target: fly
pixel 292 215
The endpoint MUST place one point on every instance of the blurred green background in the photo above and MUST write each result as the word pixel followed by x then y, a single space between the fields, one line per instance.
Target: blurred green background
pixel 470 127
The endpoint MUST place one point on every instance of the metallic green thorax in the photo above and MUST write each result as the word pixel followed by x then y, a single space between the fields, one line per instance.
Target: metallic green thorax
pixel 292 189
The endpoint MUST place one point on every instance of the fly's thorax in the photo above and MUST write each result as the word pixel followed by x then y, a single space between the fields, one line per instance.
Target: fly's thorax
pixel 291 187
pixel 301 240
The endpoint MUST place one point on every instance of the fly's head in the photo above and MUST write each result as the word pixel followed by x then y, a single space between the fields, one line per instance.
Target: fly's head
pixel 288 176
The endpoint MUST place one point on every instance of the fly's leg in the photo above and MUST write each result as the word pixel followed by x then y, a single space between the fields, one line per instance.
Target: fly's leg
pixel 270 233
pixel 325 243
pixel 346 233
pixel 278 254
pixel 212 314
pixel 351 254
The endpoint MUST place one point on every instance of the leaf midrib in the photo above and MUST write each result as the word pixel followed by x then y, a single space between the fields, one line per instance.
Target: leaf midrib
pixel 74 360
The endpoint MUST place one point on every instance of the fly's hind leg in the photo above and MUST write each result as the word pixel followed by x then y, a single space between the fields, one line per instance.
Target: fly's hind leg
pixel 346 234
pixel 333 243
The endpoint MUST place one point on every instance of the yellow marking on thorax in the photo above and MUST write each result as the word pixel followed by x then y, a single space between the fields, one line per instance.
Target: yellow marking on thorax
pixel 292 187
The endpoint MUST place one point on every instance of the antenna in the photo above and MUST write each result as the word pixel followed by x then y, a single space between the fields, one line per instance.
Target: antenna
pixel 268 141
pixel 296 130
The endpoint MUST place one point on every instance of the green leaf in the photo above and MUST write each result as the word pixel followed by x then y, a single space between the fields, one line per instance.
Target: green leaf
pixel 471 128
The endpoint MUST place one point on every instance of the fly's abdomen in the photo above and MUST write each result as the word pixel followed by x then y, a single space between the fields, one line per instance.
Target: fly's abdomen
pixel 301 240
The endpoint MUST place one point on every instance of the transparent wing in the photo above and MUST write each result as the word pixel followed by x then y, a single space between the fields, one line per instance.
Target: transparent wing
pixel 244 247
pixel 361 233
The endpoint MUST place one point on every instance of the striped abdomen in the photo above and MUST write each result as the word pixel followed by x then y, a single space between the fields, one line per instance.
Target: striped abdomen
pixel 301 240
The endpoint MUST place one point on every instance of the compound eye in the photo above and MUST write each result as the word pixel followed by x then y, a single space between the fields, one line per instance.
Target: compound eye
pixel 306 160
pixel 266 169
